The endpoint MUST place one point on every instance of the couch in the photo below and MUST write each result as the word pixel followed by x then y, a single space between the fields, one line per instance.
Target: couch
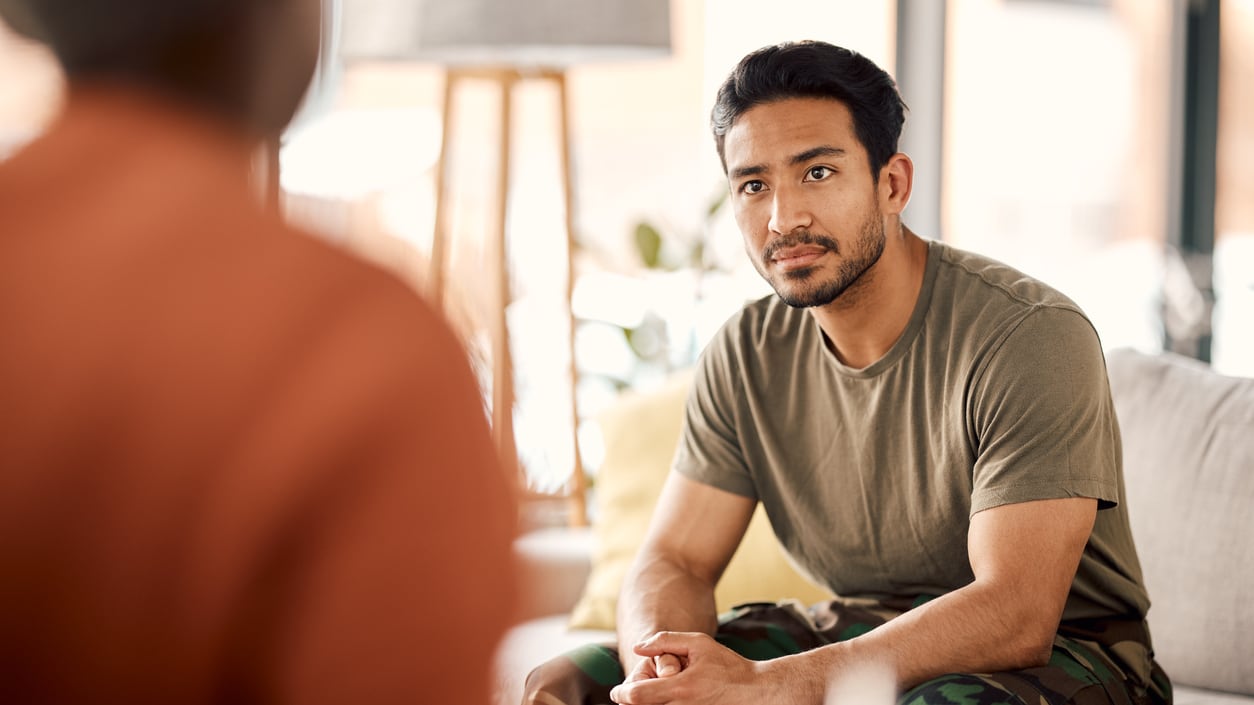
pixel 1188 438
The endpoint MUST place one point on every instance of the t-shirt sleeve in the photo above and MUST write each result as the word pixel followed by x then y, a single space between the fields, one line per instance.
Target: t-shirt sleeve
pixel 709 448
pixel 1041 412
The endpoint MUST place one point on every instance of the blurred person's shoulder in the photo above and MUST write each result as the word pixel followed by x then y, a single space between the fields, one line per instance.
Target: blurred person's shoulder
pixel 369 304
pixel 130 232
pixel 132 226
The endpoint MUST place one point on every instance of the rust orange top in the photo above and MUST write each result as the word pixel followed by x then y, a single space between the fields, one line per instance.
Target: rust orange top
pixel 236 464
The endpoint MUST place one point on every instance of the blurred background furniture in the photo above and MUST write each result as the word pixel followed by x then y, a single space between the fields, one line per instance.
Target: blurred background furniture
pixel 1188 461
pixel 504 43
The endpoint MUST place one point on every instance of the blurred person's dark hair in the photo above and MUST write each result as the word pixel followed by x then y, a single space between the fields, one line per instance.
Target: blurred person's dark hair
pixel 812 69
pixel 247 61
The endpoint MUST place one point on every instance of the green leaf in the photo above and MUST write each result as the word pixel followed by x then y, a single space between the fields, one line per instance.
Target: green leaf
pixel 632 342
pixel 697 258
pixel 649 245
pixel 717 203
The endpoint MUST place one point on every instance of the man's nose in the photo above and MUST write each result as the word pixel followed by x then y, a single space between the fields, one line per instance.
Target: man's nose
pixel 789 212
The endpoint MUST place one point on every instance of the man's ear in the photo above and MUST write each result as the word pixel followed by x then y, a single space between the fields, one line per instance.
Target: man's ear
pixel 895 182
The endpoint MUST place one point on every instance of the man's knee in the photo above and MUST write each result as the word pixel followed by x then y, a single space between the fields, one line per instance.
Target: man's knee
pixel 960 689
pixel 583 676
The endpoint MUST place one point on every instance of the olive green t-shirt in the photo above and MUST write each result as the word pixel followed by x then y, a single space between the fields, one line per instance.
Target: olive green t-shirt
pixel 995 393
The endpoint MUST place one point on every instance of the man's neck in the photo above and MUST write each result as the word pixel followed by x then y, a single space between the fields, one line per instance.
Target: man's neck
pixel 863 324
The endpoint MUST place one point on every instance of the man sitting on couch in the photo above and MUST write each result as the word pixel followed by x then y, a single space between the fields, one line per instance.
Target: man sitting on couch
pixel 931 433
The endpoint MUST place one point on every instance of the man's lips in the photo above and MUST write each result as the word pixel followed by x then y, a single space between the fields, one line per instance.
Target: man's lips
pixel 799 256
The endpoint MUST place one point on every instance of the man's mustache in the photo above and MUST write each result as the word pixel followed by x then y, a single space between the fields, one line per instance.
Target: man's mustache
pixel 795 239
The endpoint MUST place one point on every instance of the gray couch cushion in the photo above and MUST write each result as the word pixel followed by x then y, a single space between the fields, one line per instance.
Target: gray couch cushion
pixel 1185 695
pixel 1188 439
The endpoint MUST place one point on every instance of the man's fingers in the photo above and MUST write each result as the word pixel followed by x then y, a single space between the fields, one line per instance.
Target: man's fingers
pixel 637 675
pixel 644 670
pixel 622 693
pixel 647 692
pixel 678 643
pixel 667 664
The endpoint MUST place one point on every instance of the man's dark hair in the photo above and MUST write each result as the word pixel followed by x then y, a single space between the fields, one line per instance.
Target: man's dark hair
pixel 815 70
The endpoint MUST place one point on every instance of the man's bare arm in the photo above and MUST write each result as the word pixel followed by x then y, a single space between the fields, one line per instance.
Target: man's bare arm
pixel 1024 557
pixel 694 531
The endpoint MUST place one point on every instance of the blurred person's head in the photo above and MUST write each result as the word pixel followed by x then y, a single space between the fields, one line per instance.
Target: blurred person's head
pixel 813 69
pixel 248 61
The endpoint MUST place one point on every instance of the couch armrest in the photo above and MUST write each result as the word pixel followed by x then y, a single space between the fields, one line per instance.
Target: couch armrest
pixel 553 565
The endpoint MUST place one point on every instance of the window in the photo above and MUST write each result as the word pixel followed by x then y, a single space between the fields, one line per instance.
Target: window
pixel 1057 132
pixel 1233 345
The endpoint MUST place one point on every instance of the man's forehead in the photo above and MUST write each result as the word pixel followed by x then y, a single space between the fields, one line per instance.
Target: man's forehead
pixel 781 130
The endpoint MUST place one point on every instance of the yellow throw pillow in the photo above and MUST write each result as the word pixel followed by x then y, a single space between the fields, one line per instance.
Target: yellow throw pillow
pixel 640 432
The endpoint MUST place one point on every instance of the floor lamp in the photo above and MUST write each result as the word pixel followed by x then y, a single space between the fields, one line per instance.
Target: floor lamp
pixel 506 42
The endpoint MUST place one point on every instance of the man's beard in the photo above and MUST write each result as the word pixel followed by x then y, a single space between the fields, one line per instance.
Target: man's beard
pixel 804 293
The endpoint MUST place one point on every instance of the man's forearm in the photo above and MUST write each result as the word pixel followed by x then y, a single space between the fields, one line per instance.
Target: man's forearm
pixel 660 595
pixel 1024 558
pixel 973 630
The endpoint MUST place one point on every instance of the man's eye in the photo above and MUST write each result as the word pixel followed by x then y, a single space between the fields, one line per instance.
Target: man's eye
pixel 753 187
pixel 818 173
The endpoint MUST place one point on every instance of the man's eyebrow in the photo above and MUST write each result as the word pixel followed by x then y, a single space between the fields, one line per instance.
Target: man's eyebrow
pixel 823 151
pixel 741 172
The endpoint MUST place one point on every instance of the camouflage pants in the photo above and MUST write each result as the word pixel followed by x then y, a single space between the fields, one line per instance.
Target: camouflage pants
pixel 1093 661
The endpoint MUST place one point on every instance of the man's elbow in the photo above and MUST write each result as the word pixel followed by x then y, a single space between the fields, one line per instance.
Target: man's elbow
pixel 1037 653
pixel 1034 644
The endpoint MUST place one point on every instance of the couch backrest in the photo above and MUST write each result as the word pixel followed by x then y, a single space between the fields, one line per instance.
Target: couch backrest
pixel 1188 440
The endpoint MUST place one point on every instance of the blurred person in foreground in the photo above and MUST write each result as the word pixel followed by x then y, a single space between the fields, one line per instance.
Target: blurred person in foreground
pixel 236 465
pixel 930 431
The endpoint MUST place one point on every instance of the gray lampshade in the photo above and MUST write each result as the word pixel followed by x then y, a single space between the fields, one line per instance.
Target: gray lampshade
pixel 549 33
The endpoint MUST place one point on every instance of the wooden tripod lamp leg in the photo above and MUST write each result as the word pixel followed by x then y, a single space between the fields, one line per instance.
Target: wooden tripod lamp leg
pixel 502 363
pixel 439 238
pixel 502 368
pixel 576 486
